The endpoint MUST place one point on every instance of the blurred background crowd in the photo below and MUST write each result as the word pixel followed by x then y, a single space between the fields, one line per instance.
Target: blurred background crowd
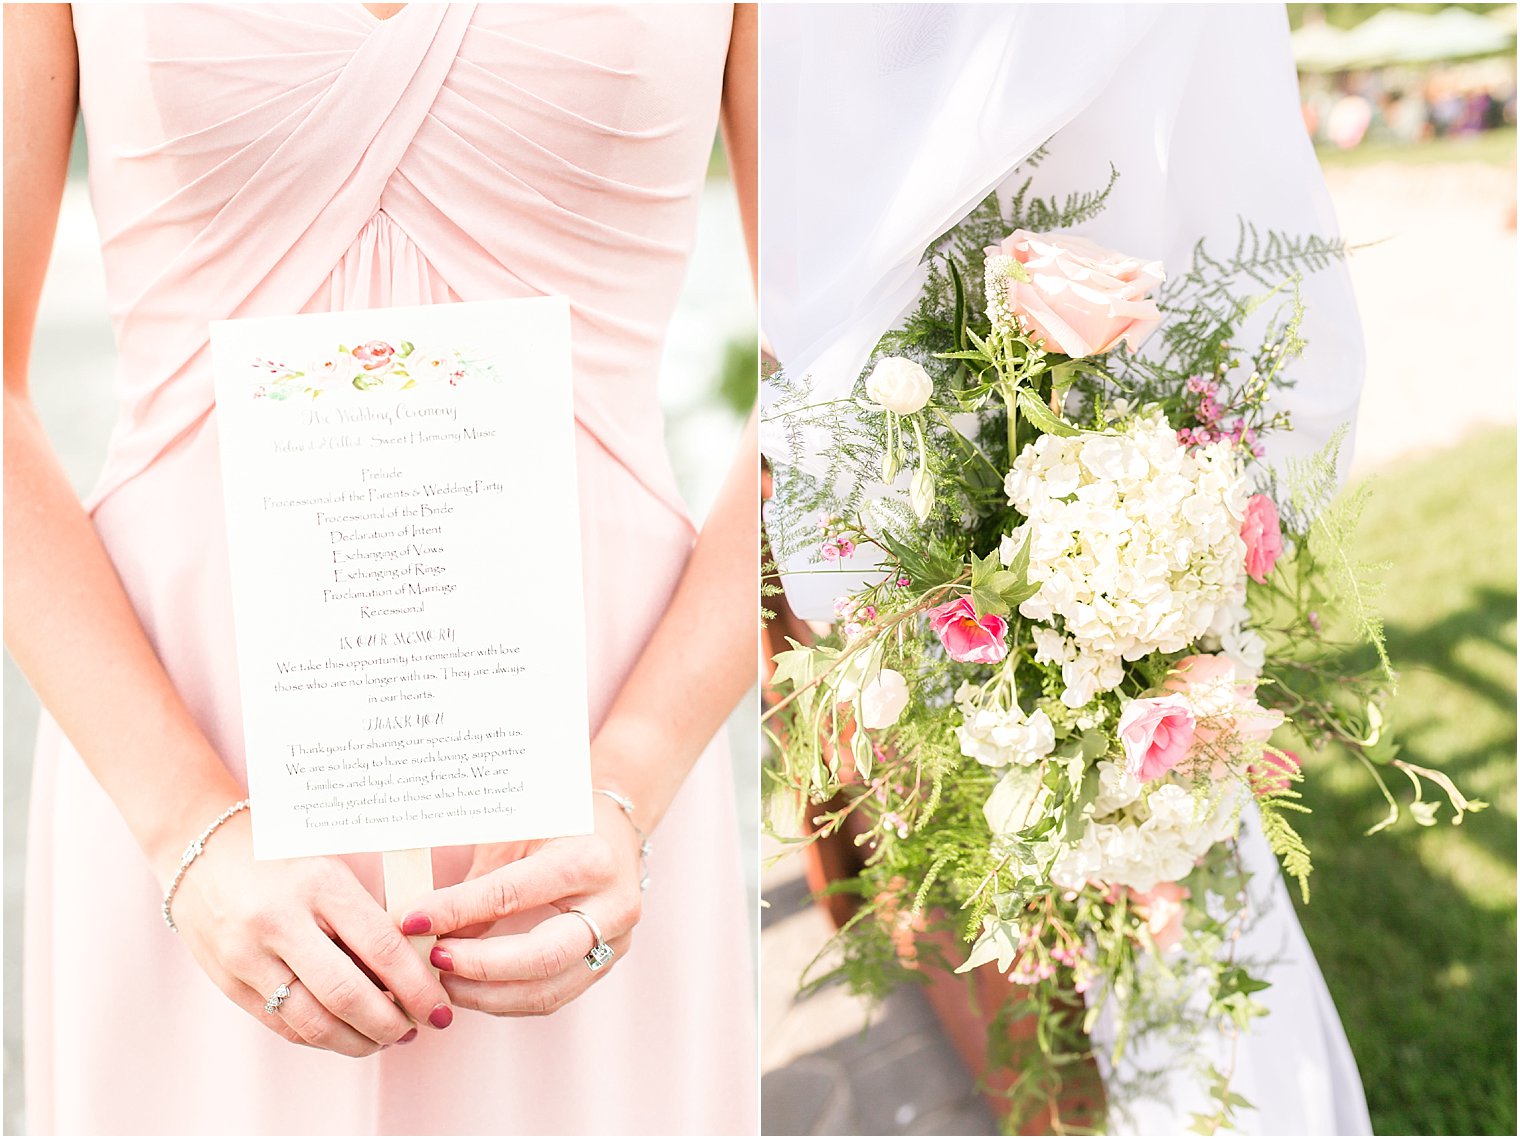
pixel 1404 74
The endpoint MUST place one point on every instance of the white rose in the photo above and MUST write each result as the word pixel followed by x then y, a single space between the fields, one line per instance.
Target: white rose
pixel 335 370
pixel 899 385
pixel 883 699
pixel 428 366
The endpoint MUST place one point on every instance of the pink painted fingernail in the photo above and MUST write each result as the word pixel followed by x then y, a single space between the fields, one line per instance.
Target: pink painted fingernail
pixel 408 1038
pixel 441 1017
pixel 414 924
pixel 441 959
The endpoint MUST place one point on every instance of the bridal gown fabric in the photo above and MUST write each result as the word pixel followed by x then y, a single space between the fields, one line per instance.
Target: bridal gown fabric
pixel 1197 108
pixel 265 159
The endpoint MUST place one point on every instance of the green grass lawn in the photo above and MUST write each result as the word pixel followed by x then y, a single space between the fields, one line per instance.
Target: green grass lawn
pixel 1415 928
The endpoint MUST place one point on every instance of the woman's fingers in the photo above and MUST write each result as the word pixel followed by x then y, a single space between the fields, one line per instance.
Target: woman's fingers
pixel 372 939
pixel 336 984
pixel 318 1026
pixel 547 875
pixel 534 997
pixel 550 948
pixel 253 1004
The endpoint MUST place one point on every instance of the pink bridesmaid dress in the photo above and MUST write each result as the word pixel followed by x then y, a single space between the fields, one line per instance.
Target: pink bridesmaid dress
pixel 251 159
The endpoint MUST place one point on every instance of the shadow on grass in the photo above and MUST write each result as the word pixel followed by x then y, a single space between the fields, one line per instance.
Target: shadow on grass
pixel 1414 927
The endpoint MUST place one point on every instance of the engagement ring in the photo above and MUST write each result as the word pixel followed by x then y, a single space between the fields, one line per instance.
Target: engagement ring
pixel 277 998
pixel 601 952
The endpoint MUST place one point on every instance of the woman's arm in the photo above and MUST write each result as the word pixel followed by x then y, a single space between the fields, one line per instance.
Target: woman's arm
pixel 73 631
pixel 699 661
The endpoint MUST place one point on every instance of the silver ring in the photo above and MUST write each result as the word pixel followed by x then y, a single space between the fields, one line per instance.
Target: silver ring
pixel 601 952
pixel 275 999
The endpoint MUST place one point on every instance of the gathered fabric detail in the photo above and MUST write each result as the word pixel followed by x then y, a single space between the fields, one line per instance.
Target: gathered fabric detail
pixel 455 152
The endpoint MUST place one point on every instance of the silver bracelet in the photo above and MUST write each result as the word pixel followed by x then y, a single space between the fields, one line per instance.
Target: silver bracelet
pixel 194 851
pixel 645 850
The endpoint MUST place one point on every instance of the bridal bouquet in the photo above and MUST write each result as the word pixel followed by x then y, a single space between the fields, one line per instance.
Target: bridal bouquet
pixel 1097 620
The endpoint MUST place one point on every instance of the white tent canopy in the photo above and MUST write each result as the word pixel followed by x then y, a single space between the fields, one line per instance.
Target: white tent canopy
pixel 1396 35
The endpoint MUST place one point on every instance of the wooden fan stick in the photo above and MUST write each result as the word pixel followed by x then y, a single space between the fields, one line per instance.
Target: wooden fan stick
pixel 408 877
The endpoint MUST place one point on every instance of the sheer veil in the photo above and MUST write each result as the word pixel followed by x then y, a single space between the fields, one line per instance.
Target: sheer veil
pixel 885 124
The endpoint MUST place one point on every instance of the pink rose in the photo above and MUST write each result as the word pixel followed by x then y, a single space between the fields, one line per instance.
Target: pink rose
pixel 1162 909
pixel 967 637
pixel 1157 734
pixel 376 356
pixel 1270 776
pixel 1262 535
pixel 1080 298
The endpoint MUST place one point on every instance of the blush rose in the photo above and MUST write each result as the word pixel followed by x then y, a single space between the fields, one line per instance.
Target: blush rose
pixel 1213 685
pixel 1162 909
pixel 1079 297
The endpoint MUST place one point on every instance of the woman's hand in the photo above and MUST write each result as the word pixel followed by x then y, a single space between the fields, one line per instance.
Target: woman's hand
pixel 539 971
pixel 253 926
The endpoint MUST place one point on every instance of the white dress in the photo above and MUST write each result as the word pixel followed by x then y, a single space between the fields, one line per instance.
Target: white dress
pixel 908 116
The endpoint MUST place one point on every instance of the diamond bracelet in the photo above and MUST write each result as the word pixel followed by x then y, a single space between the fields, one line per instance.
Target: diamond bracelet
pixel 194 851
pixel 645 850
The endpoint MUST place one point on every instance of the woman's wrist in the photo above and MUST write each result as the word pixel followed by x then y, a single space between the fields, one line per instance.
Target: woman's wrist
pixel 168 836
pixel 626 760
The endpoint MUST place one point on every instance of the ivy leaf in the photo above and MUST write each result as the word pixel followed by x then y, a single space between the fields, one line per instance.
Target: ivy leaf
pixel 988 578
pixel 927 568
pixel 801 664
pixel 1018 590
pixel 998 590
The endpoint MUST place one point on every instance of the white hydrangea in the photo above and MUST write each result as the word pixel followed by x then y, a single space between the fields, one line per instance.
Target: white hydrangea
pixel 998 736
pixel 1131 836
pixel 1155 838
pixel 1134 542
